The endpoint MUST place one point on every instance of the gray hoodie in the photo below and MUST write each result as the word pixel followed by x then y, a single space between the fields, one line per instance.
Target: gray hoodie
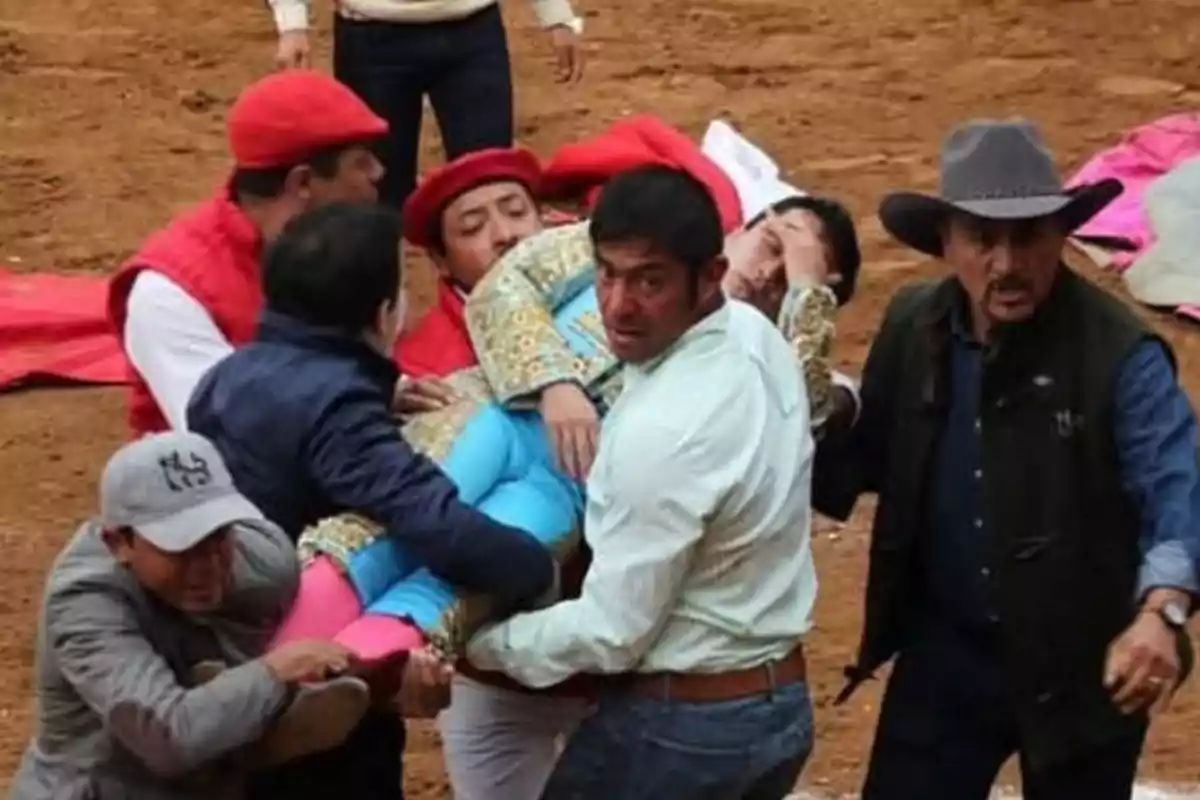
pixel 116 718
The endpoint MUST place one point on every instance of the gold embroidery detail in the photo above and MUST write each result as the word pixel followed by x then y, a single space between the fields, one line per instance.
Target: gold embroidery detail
pixel 589 325
pixel 338 537
pixel 432 434
pixel 450 634
pixel 807 322
pixel 510 314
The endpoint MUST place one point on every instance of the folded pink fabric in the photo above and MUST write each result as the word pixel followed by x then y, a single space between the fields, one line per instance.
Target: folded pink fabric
pixel 1143 155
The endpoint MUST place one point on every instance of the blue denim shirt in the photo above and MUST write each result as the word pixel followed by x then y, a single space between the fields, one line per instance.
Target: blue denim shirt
pixel 1155 434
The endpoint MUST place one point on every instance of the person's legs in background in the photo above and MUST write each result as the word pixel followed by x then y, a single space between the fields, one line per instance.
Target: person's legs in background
pixel 463 65
pixel 389 66
pixel 472 92
pixel 500 744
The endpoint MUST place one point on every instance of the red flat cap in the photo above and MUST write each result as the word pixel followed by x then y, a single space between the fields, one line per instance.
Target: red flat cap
pixel 423 209
pixel 288 116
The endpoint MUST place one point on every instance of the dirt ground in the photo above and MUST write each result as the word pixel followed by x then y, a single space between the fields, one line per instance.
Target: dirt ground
pixel 111 120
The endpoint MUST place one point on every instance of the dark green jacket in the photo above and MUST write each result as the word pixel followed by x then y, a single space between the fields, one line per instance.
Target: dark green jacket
pixel 1064 543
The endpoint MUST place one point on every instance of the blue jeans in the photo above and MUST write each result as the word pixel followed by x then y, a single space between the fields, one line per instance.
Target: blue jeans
pixel 639 748
pixel 463 65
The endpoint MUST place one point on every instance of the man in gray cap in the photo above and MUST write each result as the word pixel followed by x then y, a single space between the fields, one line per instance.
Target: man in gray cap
pixel 1037 536
pixel 178 570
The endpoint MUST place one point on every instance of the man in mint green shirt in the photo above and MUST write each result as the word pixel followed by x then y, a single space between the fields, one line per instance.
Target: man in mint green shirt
pixel 702 582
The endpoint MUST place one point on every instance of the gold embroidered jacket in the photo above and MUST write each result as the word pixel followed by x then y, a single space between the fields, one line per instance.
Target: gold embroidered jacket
pixel 526 337
pixel 534 322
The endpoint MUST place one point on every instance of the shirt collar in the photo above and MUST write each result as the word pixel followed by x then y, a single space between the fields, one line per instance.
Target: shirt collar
pixel 960 323
pixel 715 324
pixel 276 327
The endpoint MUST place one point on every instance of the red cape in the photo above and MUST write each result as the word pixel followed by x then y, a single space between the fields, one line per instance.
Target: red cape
pixel 578 170
pixel 438 344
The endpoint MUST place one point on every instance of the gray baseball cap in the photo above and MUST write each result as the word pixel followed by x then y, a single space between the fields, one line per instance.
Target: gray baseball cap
pixel 173 489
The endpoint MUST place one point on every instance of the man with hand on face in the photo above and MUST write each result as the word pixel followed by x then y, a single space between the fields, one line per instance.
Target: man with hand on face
pixel 795 262
pixel 1035 551
pixel 178 570
pixel 192 292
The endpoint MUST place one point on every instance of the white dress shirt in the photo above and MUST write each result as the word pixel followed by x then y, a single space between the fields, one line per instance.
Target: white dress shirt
pixel 171 340
pixel 698 518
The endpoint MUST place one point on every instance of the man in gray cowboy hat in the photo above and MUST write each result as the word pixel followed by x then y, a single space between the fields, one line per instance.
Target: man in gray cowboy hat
pixel 1034 552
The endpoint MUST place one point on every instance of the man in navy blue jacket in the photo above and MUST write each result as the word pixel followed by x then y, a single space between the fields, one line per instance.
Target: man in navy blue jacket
pixel 302 416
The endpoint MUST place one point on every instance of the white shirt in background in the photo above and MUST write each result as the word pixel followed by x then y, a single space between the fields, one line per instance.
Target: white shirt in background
pixel 171 340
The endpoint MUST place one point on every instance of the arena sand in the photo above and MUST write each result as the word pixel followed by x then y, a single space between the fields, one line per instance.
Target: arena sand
pixel 111 120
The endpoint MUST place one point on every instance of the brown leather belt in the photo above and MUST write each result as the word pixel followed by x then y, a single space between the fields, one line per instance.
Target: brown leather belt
pixel 573 687
pixel 697 687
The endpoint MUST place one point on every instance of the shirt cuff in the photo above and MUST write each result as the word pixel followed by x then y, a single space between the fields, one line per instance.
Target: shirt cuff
pixel 1168 565
pixel 849 384
pixel 553 12
pixel 291 17
pixel 485 647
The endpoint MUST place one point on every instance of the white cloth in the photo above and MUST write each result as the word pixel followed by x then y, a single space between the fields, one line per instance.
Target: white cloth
pixel 698 517
pixel 501 744
pixel 171 341
pixel 754 174
pixel 851 385
pixel 1168 273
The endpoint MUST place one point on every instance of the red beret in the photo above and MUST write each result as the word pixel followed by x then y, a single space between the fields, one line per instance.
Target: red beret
pixel 423 209
pixel 288 116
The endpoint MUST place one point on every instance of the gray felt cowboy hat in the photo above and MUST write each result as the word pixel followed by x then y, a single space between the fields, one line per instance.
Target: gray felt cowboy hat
pixel 999 170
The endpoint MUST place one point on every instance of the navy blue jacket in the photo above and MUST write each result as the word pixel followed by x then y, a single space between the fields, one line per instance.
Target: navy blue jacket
pixel 303 418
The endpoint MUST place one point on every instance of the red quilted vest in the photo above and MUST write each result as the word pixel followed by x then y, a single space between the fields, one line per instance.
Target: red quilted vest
pixel 212 253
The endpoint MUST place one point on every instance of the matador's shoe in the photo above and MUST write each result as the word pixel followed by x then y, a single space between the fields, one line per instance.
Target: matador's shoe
pixel 319 717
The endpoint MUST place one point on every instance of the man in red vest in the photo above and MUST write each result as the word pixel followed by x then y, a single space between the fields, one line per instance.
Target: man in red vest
pixel 191 293
pixel 465 215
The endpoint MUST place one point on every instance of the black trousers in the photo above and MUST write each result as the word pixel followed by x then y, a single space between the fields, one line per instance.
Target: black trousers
pixel 368 766
pixel 462 65
pixel 947 727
